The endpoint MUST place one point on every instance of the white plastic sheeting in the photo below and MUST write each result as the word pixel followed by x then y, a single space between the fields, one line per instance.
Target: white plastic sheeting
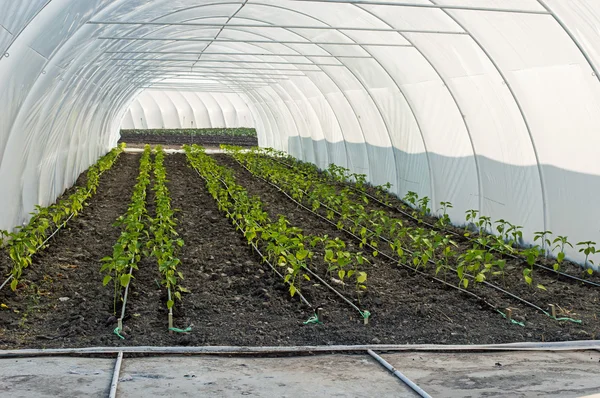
pixel 175 109
pixel 489 104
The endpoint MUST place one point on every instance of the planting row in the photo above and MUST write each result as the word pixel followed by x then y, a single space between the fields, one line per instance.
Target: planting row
pixel 145 236
pixel 241 131
pixel 236 299
pixel 127 251
pixel 507 239
pixel 424 248
pixel 26 241
pixel 300 256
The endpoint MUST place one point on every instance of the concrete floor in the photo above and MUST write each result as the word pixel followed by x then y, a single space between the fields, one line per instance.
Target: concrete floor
pixel 502 374
pixel 496 374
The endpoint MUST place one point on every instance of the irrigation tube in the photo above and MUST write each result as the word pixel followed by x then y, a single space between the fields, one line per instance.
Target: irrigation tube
pixel 170 310
pixel 364 314
pixel 115 378
pixel 120 320
pixel 399 375
pixel 496 287
pixel 302 298
pixel 565 275
pixel 580 345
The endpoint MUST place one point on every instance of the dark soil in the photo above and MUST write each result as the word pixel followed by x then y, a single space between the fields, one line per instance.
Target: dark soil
pixel 172 139
pixel 234 299
pixel 581 300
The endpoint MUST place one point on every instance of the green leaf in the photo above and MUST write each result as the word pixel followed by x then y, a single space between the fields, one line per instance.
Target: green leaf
pixel 362 277
pixel 480 278
pixel 306 277
pixel 106 279
pixel 292 290
pixel 465 283
pixel 328 254
pixel 13 285
pixel 125 279
pixel 542 287
pixel 301 254
pixel 341 274
pixel 375 253
pixel 170 304
pixel 528 279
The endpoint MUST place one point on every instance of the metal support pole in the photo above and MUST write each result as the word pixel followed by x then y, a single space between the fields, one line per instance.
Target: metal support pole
pixel 427 5
pixel 204 40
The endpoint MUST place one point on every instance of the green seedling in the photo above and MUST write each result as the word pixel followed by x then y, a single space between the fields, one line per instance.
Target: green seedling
pixel 484 224
pixel 531 255
pixel 560 242
pixel 471 216
pixel 588 248
pixel 544 238
pixel 444 220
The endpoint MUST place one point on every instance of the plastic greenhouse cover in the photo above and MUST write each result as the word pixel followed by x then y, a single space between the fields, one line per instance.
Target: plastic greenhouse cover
pixel 490 104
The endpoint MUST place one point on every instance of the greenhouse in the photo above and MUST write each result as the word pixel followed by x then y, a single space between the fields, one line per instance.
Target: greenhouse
pixel 365 180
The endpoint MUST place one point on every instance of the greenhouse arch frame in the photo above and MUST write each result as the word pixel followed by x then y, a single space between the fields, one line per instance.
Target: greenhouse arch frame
pixel 491 105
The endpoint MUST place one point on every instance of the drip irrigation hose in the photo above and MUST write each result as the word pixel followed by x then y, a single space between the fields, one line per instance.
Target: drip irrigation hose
pixel 171 327
pixel 302 298
pixel 365 314
pixel 580 345
pixel 119 327
pixel 170 309
pixel 115 379
pixel 404 213
pixel 399 375
pixel 6 281
pixel 494 286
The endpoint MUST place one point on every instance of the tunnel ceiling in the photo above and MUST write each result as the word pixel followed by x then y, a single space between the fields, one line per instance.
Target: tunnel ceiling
pixel 489 104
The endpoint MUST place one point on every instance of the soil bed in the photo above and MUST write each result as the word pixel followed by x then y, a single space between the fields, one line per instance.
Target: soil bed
pixel 205 140
pixel 402 284
pixel 234 299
